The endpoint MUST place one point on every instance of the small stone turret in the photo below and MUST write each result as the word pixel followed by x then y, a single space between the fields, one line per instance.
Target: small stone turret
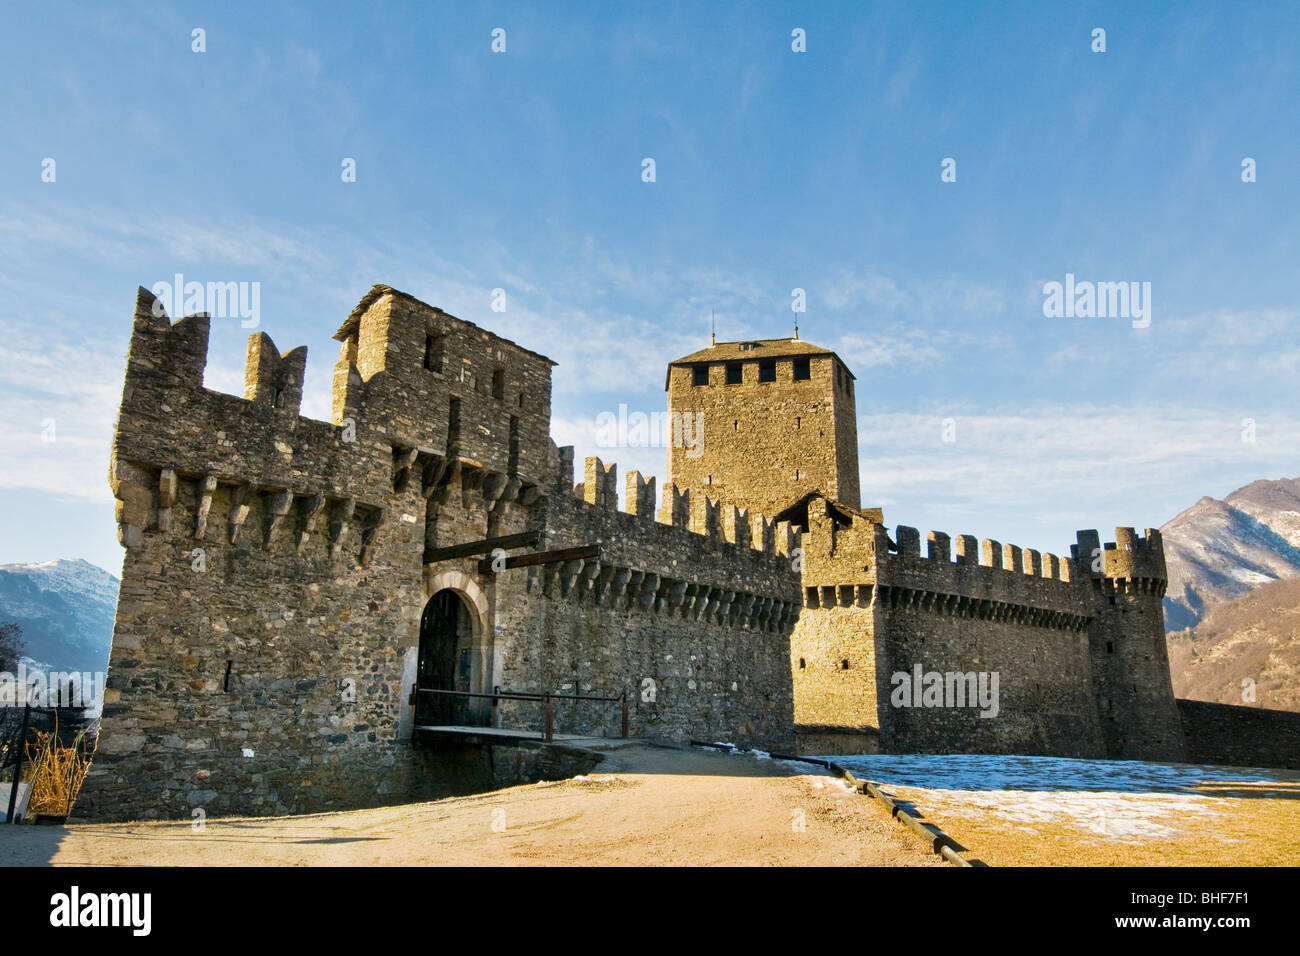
pixel 1130 662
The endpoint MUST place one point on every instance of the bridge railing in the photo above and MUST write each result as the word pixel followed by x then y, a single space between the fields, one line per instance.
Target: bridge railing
pixel 546 698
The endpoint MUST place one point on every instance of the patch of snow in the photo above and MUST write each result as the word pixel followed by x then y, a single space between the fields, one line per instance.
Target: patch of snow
pixel 1126 800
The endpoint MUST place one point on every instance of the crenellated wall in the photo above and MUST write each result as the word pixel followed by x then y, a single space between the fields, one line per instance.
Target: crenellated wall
pixel 276 569
pixel 1072 650
pixel 277 572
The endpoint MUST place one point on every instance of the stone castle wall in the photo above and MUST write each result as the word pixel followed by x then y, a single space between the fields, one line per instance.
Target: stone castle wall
pixel 277 568
pixel 1240 736
pixel 1037 621
pixel 267 634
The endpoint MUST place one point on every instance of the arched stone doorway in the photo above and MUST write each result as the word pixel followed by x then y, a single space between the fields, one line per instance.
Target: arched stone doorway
pixel 455 652
pixel 445 661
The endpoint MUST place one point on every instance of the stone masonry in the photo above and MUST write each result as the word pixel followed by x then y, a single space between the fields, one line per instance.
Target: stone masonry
pixel 295 593
pixel 275 576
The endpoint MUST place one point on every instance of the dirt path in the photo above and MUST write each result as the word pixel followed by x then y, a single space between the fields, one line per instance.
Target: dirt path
pixel 643 806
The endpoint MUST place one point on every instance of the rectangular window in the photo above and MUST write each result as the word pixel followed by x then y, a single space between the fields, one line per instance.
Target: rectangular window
pixel 767 370
pixel 700 375
pixel 499 384
pixel 802 370
pixel 433 353
pixel 734 376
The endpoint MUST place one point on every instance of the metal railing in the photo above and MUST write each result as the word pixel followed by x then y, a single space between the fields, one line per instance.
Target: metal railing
pixel 547 700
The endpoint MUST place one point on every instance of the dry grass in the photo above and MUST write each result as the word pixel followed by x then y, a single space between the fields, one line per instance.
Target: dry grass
pixel 57 773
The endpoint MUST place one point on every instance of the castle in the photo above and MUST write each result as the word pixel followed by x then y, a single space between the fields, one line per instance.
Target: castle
pixel 298 597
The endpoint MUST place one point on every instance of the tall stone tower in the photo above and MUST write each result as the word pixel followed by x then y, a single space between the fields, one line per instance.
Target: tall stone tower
pixel 1130 662
pixel 762 423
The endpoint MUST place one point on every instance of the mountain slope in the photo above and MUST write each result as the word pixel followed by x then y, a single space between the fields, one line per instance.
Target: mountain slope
pixel 65 609
pixel 1219 550
pixel 1255 637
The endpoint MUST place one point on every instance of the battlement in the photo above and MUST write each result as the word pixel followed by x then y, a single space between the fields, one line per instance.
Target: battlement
pixel 395 418
pixel 987 572
pixel 710 520
pixel 1128 561
pixel 991 554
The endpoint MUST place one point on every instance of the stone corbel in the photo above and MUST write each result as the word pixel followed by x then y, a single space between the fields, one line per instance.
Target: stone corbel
pixel 277 507
pixel 450 479
pixel 777 620
pixel 724 606
pixel 649 590
pixel 633 588
pixel 618 584
pixel 207 488
pixel 403 460
pixel 569 572
pixel 370 533
pixel 431 478
pixel 131 486
pixel 166 498
pixel 688 599
pixel 238 511
pixel 311 508
pixel 550 573
pixel 340 514
pixel 590 571
pixel 743 609
pixel 494 487
pixel 600 586
pixel 509 496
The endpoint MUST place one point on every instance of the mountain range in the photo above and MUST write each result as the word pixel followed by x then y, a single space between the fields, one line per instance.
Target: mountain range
pixel 1244 652
pixel 1217 551
pixel 65 609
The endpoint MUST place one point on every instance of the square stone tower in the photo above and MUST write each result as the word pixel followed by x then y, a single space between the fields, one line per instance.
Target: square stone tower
pixel 760 423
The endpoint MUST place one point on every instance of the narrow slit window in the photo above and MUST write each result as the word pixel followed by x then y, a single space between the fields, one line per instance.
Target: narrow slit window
pixel 433 353
pixel 499 384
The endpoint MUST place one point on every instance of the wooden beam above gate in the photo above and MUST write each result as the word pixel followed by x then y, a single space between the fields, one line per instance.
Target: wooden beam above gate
pixel 586 552
pixel 525 539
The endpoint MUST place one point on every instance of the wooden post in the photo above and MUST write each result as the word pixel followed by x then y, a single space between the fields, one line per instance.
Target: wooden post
pixel 18 765
pixel 625 713
pixel 550 719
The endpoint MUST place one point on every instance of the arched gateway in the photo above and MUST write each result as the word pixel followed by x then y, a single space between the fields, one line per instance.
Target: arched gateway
pixel 454 654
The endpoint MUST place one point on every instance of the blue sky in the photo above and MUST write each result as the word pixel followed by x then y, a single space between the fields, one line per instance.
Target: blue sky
pixel 775 170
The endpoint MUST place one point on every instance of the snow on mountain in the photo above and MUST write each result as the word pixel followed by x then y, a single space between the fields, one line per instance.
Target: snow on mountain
pixel 65 609
pixel 1219 550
